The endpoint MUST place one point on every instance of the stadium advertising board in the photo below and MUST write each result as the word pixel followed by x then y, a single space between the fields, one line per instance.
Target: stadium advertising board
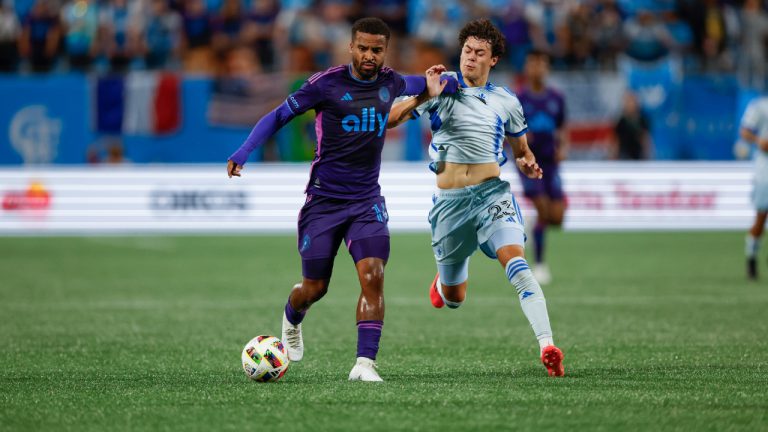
pixel 201 199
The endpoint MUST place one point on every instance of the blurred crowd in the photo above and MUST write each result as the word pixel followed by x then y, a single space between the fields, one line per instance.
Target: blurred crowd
pixel 247 36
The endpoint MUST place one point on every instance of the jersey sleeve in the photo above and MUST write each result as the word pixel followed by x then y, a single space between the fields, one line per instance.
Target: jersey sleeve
pixel 751 118
pixel 428 106
pixel 516 125
pixel 401 84
pixel 307 97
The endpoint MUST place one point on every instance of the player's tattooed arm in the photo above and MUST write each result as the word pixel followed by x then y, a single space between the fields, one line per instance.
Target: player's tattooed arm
pixel 524 158
pixel 751 137
pixel 401 111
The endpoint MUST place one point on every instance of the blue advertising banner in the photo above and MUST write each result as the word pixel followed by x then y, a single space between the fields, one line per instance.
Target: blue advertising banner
pixel 44 119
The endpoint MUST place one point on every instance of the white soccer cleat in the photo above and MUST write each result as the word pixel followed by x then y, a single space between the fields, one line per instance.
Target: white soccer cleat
pixel 292 340
pixel 365 370
pixel 542 274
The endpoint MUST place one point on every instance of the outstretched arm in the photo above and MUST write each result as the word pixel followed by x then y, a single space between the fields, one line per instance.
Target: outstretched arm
pixel 435 85
pixel 524 158
pixel 264 129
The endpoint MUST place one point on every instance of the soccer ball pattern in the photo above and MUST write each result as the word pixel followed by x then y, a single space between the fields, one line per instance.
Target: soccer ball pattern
pixel 265 359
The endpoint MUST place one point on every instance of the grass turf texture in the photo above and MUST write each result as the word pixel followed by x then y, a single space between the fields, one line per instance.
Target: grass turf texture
pixel 660 331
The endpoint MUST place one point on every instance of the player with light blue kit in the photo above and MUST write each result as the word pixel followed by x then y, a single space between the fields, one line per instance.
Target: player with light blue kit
pixel 754 129
pixel 343 196
pixel 473 207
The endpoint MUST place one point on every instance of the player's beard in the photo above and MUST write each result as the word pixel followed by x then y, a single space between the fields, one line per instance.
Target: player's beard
pixel 367 74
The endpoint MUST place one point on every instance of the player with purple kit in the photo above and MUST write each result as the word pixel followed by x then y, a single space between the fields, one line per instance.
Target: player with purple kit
pixel 544 108
pixel 344 199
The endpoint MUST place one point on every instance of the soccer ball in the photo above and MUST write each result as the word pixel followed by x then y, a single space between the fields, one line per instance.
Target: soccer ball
pixel 265 359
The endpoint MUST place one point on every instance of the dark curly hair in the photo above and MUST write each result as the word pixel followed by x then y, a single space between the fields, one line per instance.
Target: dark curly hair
pixel 484 29
pixel 371 25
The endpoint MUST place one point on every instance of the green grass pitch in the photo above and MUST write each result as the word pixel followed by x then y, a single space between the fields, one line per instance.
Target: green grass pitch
pixel 660 331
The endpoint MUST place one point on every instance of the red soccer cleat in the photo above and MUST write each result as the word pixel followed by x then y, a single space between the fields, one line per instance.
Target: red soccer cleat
pixel 434 296
pixel 552 358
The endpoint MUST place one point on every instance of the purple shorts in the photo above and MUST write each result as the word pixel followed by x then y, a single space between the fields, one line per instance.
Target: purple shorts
pixel 549 186
pixel 324 222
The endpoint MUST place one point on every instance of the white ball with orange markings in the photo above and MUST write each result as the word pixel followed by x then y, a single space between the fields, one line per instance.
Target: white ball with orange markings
pixel 265 359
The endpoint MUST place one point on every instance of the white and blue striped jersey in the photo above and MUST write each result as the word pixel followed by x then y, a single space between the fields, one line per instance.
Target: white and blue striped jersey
pixel 470 125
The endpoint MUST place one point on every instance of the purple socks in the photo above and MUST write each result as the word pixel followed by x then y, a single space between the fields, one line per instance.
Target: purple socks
pixel 368 335
pixel 293 316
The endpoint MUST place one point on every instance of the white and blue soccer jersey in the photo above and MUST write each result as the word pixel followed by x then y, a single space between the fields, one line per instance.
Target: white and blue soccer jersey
pixel 755 119
pixel 470 125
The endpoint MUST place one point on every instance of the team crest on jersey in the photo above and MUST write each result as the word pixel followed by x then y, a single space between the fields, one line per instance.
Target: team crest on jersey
pixel 384 94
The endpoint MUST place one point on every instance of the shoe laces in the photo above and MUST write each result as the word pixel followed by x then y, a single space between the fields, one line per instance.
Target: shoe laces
pixel 370 363
pixel 293 335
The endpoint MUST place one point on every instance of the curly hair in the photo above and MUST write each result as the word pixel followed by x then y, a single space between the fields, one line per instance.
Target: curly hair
pixel 371 25
pixel 484 29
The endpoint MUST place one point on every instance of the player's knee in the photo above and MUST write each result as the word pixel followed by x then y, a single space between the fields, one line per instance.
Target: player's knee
pixel 371 273
pixel 555 220
pixel 315 289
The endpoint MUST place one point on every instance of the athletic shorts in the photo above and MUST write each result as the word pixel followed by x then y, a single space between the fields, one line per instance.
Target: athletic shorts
pixel 324 222
pixel 550 185
pixel 463 219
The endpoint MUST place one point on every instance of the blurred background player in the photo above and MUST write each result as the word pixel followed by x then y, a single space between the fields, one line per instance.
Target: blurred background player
pixel 344 199
pixel 473 206
pixel 754 129
pixel 544 107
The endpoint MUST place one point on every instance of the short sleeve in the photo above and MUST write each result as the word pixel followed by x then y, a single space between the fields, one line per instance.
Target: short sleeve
pixel 307 97
pixel 516 125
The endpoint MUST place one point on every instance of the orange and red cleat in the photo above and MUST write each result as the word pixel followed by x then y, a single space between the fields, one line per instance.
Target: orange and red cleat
pixel 552 358
pixel 434 296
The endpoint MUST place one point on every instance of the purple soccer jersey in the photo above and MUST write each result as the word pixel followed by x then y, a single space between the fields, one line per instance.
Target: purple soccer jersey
pixel 545 113
pixel 351 125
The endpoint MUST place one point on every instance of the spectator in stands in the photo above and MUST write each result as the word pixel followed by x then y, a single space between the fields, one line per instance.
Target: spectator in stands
pixel 607 34
pixel 707 22
pixel 547 20
pixel 227 25
pixel 80 21
pixel 514 25
pixel 259 29
pixel 648 38
pixel 754 34
pixel 162 33
pixel 197 35
pixel 9 36
pixel 121 28
pixel 393 12
pixel 291 38
pixel 577 36
pixel 632 132
pixel 328 32
pixel 40 36
pixel 437 30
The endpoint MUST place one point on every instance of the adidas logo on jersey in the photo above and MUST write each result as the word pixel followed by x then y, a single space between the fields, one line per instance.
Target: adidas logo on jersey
pixel 347 97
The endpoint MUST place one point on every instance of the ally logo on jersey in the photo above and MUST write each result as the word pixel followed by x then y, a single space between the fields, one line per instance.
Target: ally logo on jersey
pixel 368 121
